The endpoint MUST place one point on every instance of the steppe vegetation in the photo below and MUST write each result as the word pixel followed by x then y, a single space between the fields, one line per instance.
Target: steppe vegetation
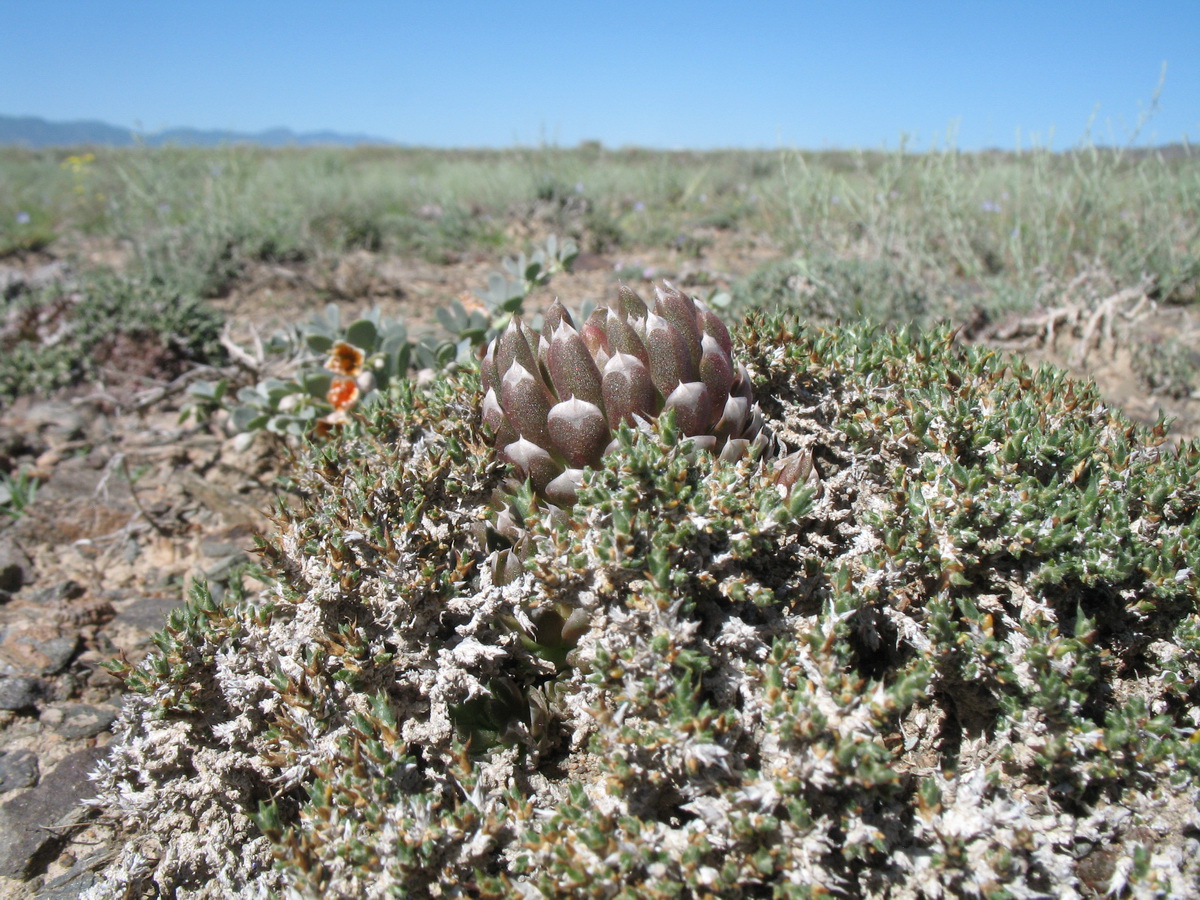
pixel 928 668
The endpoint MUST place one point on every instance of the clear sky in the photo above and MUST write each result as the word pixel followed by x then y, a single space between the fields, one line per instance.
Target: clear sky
pixel 649 73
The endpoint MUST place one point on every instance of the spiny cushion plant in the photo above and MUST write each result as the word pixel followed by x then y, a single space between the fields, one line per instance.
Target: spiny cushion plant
pixel 967 666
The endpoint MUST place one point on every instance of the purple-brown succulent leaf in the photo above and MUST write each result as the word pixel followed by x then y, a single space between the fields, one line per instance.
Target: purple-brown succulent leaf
pixel 506 567
pixel 680 311
pixel 572 369
pixel 555 314
pixel 732 423
pixel 716 371
pixel 508 526
pixel 532 461
pixel 594 334
pixel 754 427
pixel 513 347
pixel 488 371
pixel 692 407
pixel 628 390
pixel 734 449
pixel 712 325
pixel 760 445
pixel 578 431
pixel 794 469
pixel 623 338
pixel 741 384
pixel 495 419
pixel 526 402
pixel 564 488
pixel 701 442
pixel 670 362
pixel 631 306
pixel 543 358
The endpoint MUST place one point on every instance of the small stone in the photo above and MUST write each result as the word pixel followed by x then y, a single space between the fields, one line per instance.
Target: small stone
pixel 14 565
pixel 27 821
pixel 217 548
pixel 68 887
pixel 81 720
pixel 81 876
pixel 18 692
pixel 220 568
pixel 58 652
pixel 18 769
pixel 41 649
pixel 57 593
pixel 57 421
pixel 146 613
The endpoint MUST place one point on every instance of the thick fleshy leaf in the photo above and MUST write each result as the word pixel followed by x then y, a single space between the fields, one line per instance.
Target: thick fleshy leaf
pixel 691 405
pixel 716 371
pixel 628 390
pixel 734 449
pixel 630 305
pixel 508 526
pixel 563 489
pixel 513 347
pixel 494 418
pixel 705 442
pixel 555 314
pixel 487 368
pixel 680 311
pixel 573 372
pixel 793 469
pixel 579 431
pixel 670 363
pixel 624 339
pixel 733 420
pixel 712 325
pixel 506 567
pixel 533 462
pixel 594 334
pixel 741 384
pixel 526 403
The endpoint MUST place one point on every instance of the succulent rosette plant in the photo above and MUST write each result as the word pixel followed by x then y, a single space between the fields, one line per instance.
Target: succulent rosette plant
pixel 554 400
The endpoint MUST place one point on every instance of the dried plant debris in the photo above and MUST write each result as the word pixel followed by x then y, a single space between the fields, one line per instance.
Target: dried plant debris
pixel 962 662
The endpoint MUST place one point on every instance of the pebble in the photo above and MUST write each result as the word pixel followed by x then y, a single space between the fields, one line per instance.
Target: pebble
pixel 14 565
pixel 58 593
pixel 27 821
pixel 41 649
pixel 82 720
pixel 69 886
pixel 56 421
pixel 18 769
pixel 59 652
pixel 19 692
pixel 147 613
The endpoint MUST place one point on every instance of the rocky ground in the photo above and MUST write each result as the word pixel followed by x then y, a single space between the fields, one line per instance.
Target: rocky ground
pixel 132 506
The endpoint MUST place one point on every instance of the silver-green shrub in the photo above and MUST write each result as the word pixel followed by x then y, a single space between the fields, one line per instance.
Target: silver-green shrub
pixel 964 665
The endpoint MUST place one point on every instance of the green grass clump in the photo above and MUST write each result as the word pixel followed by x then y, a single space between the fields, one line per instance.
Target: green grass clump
pixel 918 226
pixel 107 323
pixel 973 640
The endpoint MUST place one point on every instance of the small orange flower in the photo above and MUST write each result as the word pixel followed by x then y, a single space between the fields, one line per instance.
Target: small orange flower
pixel 343 392
pixel 345 359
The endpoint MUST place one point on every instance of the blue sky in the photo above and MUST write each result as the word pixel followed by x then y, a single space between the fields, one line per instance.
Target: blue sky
pixel 656 74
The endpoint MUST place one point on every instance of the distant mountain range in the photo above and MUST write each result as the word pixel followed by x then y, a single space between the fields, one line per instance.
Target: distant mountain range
pixel 30 131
